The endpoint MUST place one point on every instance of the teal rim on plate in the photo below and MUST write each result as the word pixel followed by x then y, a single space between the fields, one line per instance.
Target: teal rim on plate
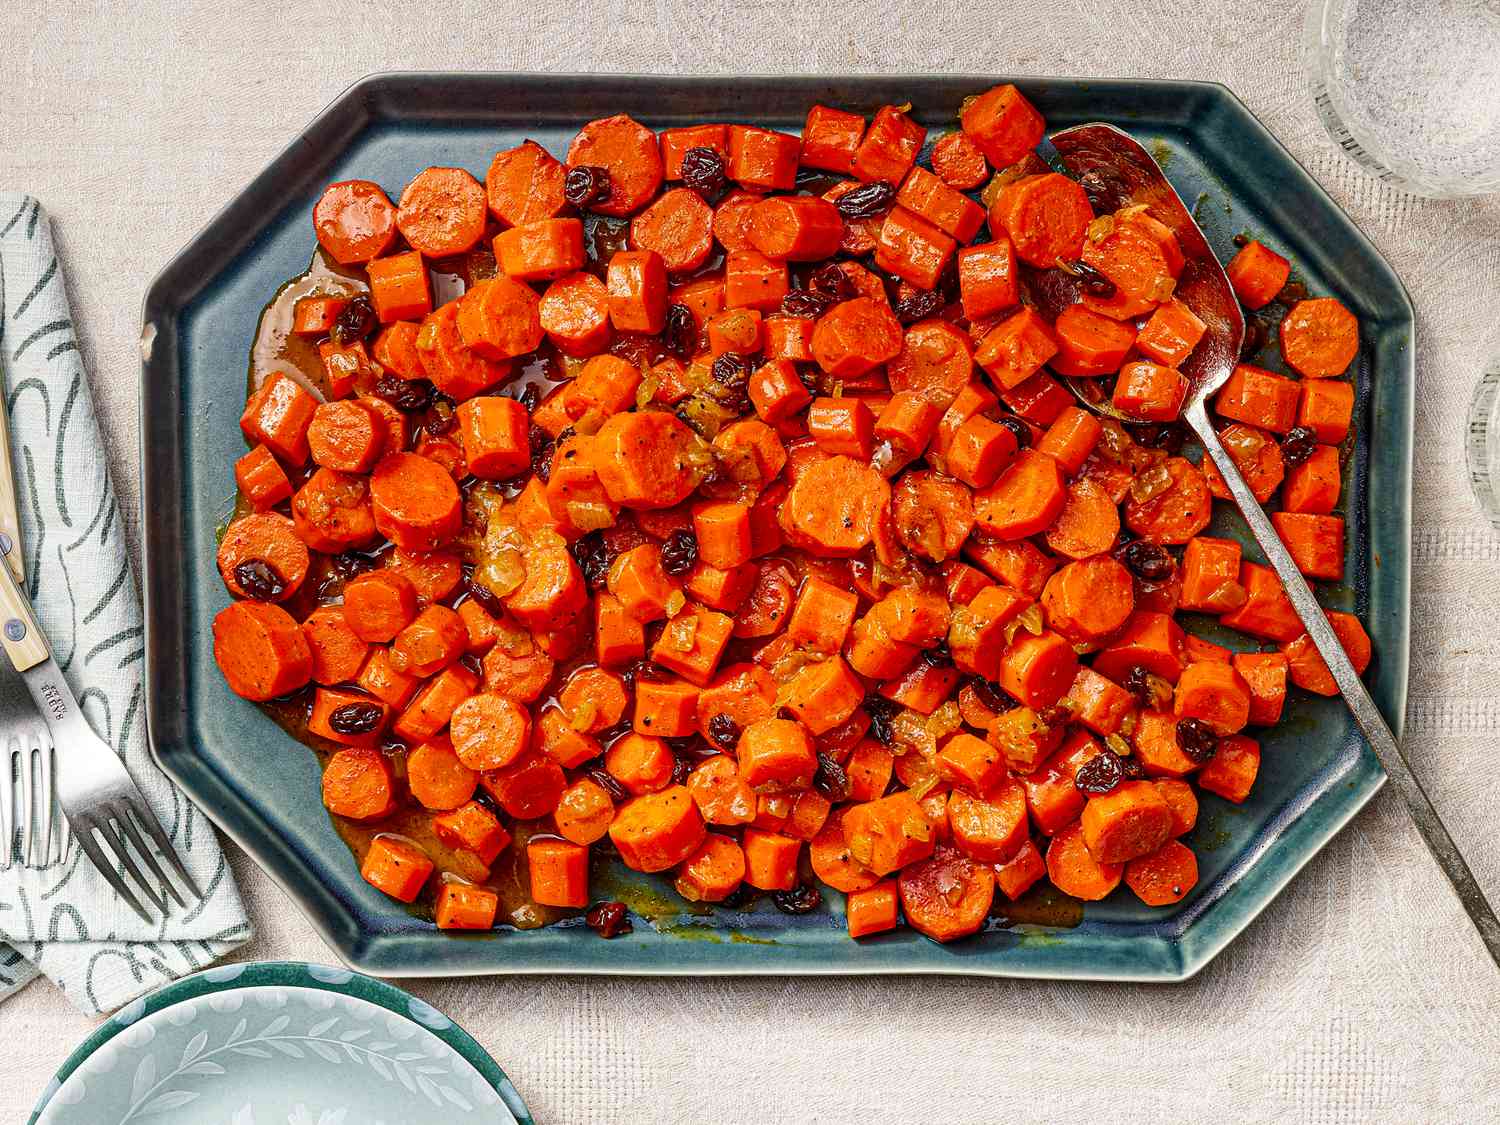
pixel 285 975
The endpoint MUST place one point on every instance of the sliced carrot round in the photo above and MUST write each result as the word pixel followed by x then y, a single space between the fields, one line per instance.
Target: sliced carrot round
pixel 442 212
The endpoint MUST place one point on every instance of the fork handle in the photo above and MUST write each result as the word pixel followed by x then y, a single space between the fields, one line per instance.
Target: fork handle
pixel 1366 715
pixel 20 635
pixel 10 520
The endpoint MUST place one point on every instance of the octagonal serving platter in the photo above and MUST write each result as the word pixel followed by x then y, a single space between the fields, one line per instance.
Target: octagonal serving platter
pixel 262 788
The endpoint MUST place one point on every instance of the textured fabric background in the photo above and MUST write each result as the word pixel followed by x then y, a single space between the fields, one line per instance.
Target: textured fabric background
pixel 1361 994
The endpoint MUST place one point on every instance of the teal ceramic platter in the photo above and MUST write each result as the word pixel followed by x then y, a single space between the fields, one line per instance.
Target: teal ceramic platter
pixel 262 788
pixel 279 1043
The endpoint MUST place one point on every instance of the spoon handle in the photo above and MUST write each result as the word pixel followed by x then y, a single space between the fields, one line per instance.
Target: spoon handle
pixel 1366 714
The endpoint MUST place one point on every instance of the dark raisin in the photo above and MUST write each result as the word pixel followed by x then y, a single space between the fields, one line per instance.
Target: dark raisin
pixel 347 564
pixel 1090 280
pixel 1197 739
pixel 1241 240
pixel 356 718
pixel 679 552
pixel 1054 716
pixel 938 655
pixel 723 731
pixel 585 184
pixel 919 304
pixel 355 322
pixel 486 598
pixel 592 556
pixel 541 452
pixel 609 919
pixel 406 395
pixel 1019 430
pixel 806 303
pixel 679 334
pixel 1099 774
pixel 881 711
pixel 867 200
pixel 830 779
pixel 259 579
pixel 1146 559
pixel 610 784
pixel 992 695
pixel 441 416
pixel 1132 769
pixel 703 169
pixel 1168 436
pixel 731 369
pixel 1299 444
pixel 801 899
pixel 738 899
pixel 1138 684
pixel 681 767
pixel 1291 293
pixel 1257 332
pixel 1105 188
pixel 530 397
pixel 832 282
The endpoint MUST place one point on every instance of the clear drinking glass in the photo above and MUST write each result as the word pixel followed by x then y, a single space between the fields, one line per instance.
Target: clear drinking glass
pixel 1410 89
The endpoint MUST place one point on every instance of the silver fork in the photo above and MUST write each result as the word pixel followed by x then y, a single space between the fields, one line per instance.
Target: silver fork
pixel 105 810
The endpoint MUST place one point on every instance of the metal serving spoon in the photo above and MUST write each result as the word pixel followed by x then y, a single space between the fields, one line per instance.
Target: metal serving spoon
pixel 1119 172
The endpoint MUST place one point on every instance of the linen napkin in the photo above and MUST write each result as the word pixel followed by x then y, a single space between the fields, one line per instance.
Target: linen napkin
pixel 65 921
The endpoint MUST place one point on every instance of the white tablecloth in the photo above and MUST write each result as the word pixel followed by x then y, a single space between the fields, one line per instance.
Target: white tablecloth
pixel 1361 994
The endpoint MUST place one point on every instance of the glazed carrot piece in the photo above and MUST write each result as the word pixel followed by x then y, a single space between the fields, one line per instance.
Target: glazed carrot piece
pixel 433 705
pixel 261 650
pixel 472 827
pixel 959 162
pixel 520 676
pixel 776 391
pixel 637 579
pixel 315 316
pixel 1089 344
pixel 1088 524
pixel 378 605
pixel 278 415
pixel 525 184
pixel 1259 398
pixel 584 812
pixel 1020 565
pixel 1038 400
pixel 1215 694
pixel 266 541
pixel 675 144
pixel 976 636
pixel 499 318
pixel 640 763
pixel 1257 274
pixel 753 284
pixel 435 639
pixel 357 784
pixel 1232 770
pixel 399 287
pixel 1265 675
pixel 658 830
pixel 822 615
pixel 540 251
pixel 354 221
pixel 936 360
pixel 337 652
pixel 1315 542
pixel 1306 667
pixel 1141 256
pixel 978 451
pixel 693 643
pixel 261 479
pixel 453 368
pixel 948 895
pixel 558 872
pixel 889 147
pixel 1176 513
pixel 346 435
pixel 461 906
pixel 1171 334
pixel 494 432
pixel 776 750
pixel 795 228
pixel 1037 670
pixel 855 336
pixel 1052 799
pixel 1267 611
pixel 1257 456
pixel 1089 599
pixel 987 278
pixel 649 460
pixel 933 514
pixel 1150 392
pixel 1074 871
pixel 396 866
pixel 489 731
pixel 1015 349
pixel 952 212
pixel 628 151
pixel 887 834
pixel 787 338
pixel 972 764
pixel 721 794
pixel 915 250
pixel 770 859
pixel 830 138
pixel 442 212
pixel 483 627
pixel 395 349
pixel 637 284
pixel 605 385
pixel 824 694
pixel 833 508
pixel 379 679
pixel 436 776
pixel 1210 575
pixel 1071 437
pixel 1003 124
pixel 1152 640
pixel 1163 877
pixel 618 637
pixel 528 788
pixel 1026 499
pixel 1326 408
pixel 678 227
pixel 574 314
pixel 992 827
pixel 714 871
pixel 1044 216
pixel 594 699
pixel 1319 338
pixel 873 910
pixel 732 218
pixel 763 159
pixel 1314 485
pixel 832 861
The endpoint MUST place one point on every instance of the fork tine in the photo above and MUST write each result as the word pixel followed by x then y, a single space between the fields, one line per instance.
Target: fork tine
pixel 148 820
pixel 122 813
pixel 60 829
pixel 44 810
pixel 27 804
pixel 7 806
pixel 132 870
pixel 85 837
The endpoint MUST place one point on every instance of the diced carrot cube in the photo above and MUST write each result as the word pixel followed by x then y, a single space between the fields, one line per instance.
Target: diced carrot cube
pixel 396 866
pixel 1261 398
pixel 889 147
pixel 912 248
pixel 1150 391
pixel 842 427
pixel 399 288
pixel 1015 349
pixel 1171 334
pixel 1257 274
pixel 1327 406
pixel 830 138
pixel 540 250
pixel 872 910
